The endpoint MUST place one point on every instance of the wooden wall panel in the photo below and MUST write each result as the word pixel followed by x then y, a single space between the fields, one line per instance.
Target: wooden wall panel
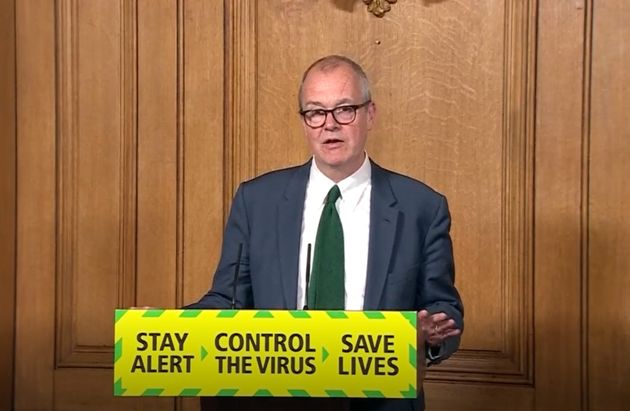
pixel 608 212
pixel 203 145
pixel 558 222
pixel 241 122
pixel 478 397
pixel 35 258
pixel 96 194
pixel 7 198
pixel 104 217
pixel 90 165
pixel 158 181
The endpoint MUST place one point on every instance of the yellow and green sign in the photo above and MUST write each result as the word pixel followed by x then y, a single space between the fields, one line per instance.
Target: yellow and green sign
pixel 265 353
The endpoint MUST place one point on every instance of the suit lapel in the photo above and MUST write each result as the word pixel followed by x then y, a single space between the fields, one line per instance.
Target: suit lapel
pixel 290 213
pixel 383 223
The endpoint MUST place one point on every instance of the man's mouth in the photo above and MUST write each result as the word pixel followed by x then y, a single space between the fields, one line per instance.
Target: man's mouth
pixel 332 141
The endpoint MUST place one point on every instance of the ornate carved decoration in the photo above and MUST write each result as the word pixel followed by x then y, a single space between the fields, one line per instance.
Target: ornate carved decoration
pixel 379 7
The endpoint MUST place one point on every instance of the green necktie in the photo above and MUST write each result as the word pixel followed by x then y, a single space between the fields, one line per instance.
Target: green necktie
pixel 326 290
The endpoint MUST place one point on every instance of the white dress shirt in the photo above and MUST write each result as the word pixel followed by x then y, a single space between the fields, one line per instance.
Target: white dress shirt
pixel 354 211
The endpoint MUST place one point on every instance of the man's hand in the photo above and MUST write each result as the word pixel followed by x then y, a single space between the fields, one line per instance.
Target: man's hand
pixel 437 327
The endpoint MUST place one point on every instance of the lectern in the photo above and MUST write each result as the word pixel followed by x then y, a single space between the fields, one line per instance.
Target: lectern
pixel 268 359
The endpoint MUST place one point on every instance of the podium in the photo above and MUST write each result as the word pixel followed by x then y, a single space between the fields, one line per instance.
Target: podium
pixel 268 359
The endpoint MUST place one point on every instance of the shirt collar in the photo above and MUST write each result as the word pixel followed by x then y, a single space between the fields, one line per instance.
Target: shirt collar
pixel 351 187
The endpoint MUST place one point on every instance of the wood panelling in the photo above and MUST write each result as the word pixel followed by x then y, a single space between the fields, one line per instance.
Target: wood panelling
pixel 157 153
pixel 35 258
pixel 102 198
pixel 609 209
pixel 7 198
pixel 90 164
pixel 241 125
pixel 129 154
pixel 134 121
pixel 475 397
pixel 205 168
pixel 558 211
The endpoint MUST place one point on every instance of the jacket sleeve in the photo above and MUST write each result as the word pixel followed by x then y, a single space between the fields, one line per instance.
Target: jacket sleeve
pixel 436 288
pixel 236 233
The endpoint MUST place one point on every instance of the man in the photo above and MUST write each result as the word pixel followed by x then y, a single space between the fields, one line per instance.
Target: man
pixel 396 252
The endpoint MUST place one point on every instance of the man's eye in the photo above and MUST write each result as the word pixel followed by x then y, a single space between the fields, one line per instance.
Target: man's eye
pixel 344 110
pixel 313 114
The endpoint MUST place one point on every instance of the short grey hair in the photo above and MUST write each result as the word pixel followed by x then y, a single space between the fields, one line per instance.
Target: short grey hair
pixel 330 63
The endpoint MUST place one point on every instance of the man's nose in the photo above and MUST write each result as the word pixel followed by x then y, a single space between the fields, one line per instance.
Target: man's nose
pixel 330 123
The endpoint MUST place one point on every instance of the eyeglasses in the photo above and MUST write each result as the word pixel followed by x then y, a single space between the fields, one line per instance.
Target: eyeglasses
pixel 343 115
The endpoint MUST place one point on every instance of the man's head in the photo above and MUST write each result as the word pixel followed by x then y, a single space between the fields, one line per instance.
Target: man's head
pixel 336 138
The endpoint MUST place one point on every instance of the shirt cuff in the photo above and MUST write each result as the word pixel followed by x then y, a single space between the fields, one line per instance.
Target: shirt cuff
pixel 434 354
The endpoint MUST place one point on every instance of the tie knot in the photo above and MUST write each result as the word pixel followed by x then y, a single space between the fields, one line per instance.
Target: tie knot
pixel 333 195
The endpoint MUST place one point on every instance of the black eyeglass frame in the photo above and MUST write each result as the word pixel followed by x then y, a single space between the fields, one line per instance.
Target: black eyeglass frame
pixel 331 111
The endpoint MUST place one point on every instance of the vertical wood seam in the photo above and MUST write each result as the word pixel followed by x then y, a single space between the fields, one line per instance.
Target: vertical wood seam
pixel 584 206
pixel 14 255
pixel 530 129
pixel 136 152
pixel 179 246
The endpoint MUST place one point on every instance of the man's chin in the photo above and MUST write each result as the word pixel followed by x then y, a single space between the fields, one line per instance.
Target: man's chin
pixel 331 163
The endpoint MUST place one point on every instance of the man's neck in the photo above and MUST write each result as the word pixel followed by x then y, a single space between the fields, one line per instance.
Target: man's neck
pixel 337 174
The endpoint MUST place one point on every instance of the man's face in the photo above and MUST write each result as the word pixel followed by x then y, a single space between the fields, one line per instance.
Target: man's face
pixel 338 149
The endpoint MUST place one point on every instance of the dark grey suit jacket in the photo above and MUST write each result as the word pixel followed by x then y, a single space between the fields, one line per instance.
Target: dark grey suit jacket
pixel 410 259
